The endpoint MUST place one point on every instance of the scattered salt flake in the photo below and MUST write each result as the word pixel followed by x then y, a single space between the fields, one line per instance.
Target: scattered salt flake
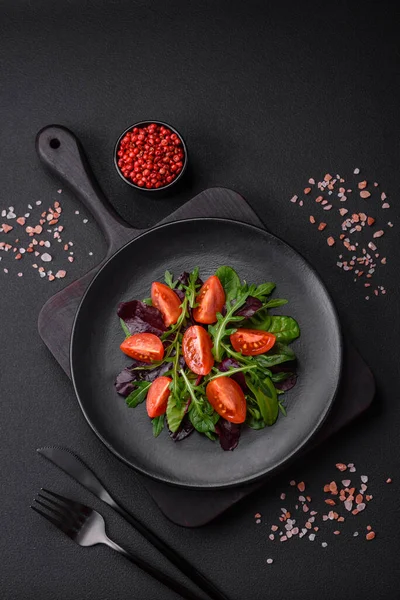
pixel 383 196
pixel 274 528
pixel 5 270
pixel 301 203
pixel 307 190
pixel 324 544
pixel 20 274
pixel 348 505
pixel 258 521
pixel 6 228
pixel 46 257
pixel 356 171
pixel 337 532
pixel 378 234
pixel 312 181
pixel 11 215
pixel 311 537
pixel 61 274
pixel 346 482
pixel 90 253
pixel 389 480
pixel 361 506
pixel 352 469
pixel 364 478
pixel 38 202
pixel 341 466
pixel 292 483
pixel 312 219
pixel 71 259
pixel 370 535
pixel 283 496
pixel 355 534
pixel 385 205
pixel 271 536
pixel 362 185
pixel 330 241
pixel 59 191
pixel 42 274
pixel 283 538
pixel 301 486
pixel 270 561
pixel 343 211
pixel 77 212
pixel 21 220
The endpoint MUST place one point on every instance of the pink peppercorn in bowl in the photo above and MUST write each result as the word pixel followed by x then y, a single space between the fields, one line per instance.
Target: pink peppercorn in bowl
pixel 150 156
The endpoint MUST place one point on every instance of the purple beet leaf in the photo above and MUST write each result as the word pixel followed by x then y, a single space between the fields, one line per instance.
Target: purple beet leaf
pixel 124 383
pixel 141 318
pixel 228 433
pixel 251 306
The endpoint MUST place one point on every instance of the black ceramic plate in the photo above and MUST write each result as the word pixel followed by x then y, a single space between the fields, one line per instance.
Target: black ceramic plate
pixel 96 359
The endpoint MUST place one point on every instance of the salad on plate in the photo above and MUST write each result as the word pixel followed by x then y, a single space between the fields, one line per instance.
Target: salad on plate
pixel 208 356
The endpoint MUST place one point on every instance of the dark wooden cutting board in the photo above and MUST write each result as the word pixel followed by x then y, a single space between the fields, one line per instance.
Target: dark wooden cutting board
pixel 66 159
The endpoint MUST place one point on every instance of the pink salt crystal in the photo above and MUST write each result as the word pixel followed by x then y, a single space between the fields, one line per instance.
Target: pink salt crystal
pixel 71 259
pixel 383 196
pixel 385 205
pixel 378 234
pixel 294 199
pixel 61 274
pixel 343 211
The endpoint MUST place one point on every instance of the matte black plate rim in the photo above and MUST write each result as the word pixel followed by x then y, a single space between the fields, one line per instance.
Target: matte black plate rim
pixel 243 480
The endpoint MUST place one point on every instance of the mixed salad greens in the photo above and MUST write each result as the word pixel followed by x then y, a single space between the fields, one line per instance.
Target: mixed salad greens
pixel 208 356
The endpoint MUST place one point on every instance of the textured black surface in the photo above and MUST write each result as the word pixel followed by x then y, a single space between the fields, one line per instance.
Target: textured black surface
pixel 257 256
pixel 265 97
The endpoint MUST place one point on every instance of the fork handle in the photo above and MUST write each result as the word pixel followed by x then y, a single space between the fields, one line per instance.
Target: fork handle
pixel 172 584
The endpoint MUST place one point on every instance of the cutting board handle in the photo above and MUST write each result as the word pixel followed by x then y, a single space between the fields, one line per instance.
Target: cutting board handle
pixel 62 153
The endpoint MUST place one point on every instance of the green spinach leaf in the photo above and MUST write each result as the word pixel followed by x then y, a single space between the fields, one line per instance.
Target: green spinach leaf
pixel 260 320
pixel 280 353
pixel 275 302
pixel 139 393
pixel 175 414
pixel 230 282
pixel 158 425
pixel 266 399
pixel 264 289
pixel 286 329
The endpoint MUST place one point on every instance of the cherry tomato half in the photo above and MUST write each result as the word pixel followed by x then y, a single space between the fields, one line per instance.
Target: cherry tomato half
pixel 145 347
pixel 167 302
pixel 251 342
pixel 227 398
pixel 210 300
pixel 157 397
pixel 196 347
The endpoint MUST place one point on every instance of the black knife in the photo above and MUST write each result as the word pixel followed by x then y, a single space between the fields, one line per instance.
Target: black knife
pixel 76 468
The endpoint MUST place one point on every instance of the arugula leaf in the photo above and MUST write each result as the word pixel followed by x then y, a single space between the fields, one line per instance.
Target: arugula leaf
pixel 264 289
pixel 158 425
pixel 201 419
pixel 275 302
pixel 266 399
pixel 175 414
pixel 286 329
pixel 282 408
pixel 278 354
pixel 230 282
pixel 125 328
pixel 169 280
pixel 253 417
pixel 148 301
pixel 281 376
pixel 139 393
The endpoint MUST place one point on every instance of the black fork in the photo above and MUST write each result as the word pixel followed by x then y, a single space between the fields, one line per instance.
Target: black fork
pixel 87 528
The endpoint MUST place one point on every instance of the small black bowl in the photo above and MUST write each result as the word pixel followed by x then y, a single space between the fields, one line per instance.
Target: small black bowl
pixel 164 187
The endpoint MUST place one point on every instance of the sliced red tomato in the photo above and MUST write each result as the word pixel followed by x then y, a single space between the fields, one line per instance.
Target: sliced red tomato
pixel 167 302
pixel 251 342
pixel 210 300
pixel 157 397
pixel 145 347
pixel 227 398
pixel 196 348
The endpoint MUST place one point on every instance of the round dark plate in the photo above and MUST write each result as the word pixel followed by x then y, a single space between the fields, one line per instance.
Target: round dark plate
pixel 96 359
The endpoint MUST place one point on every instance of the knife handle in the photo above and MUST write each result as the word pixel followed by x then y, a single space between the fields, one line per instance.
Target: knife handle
pixel 172 555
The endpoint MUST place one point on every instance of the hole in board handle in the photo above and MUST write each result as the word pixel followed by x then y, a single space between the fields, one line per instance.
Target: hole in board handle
pixel 54 143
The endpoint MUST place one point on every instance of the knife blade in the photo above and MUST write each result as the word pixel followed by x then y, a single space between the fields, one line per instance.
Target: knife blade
pixel 74 466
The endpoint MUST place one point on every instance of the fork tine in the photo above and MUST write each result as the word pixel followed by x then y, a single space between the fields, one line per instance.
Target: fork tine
pixel 61 514
pixel 67 501
pixel 55 522
pixel 66 510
